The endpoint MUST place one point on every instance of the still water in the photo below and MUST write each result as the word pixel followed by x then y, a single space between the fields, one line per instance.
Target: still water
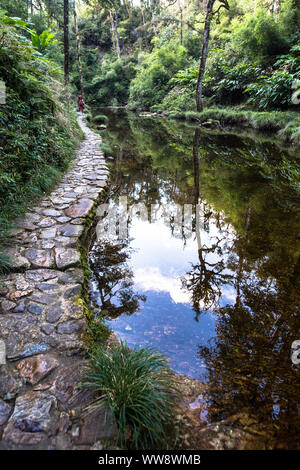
pixel 216 292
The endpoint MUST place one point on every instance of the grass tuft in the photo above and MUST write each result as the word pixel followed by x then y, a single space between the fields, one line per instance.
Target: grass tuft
pixel 138 388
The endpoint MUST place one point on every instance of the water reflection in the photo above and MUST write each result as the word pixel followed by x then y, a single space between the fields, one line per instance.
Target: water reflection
pixel 238 275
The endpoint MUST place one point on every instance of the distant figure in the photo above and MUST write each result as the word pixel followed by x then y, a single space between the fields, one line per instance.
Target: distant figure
pixel 81 104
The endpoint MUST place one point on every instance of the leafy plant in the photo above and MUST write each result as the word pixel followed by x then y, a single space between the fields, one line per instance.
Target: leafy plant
pixel 136 386
pixel 273 91
pixel 43 40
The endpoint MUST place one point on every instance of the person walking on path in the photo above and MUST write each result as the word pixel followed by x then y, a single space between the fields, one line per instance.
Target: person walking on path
pixel 81 104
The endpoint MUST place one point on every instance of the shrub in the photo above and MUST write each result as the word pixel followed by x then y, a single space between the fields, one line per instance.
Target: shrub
pixel 152 82
pixel 136 386
pixel 273 91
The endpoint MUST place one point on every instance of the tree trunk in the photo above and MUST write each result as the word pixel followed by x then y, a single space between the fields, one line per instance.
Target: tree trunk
pixel 181 22
pixel 78 46
pixel 115 32
pixel 66 42
pixel 206 36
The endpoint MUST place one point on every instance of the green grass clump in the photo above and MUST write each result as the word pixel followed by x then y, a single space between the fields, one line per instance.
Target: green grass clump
pixel 137 387
pixel 100 119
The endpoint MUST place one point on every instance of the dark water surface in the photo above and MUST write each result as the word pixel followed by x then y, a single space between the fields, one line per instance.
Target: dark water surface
pixel 219 297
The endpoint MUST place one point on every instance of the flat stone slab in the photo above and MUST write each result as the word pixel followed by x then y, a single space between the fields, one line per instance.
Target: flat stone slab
pixel 81 209
pixel 34 369
pixel 40 258
pixel 66 258
pixel 2 353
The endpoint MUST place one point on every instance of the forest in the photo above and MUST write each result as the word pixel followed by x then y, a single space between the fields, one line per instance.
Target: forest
pixel 186 103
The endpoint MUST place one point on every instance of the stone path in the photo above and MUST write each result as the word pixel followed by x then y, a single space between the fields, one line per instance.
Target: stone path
pixel 42 351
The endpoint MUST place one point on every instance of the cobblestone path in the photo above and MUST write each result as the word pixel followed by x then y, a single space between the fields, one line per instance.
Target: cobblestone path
pixel 42 352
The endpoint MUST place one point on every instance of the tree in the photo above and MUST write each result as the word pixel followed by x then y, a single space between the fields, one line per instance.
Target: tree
pixel 66 42
pixel 78 47
pixel 206 36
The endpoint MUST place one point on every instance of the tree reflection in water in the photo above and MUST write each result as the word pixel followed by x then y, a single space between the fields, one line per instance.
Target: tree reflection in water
pixel 116 294
pixel 241 188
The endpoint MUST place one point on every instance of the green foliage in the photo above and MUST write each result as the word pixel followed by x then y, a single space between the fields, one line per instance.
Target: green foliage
pixel 272 92
pixel 231 87
pixel 100 119
pixel 137 387
pixel 260 38
pixel 37 135
pixel 43 40
pixel 154 74
pixel 110 86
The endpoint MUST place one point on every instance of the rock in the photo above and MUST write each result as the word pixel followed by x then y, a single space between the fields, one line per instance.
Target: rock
pixel 44 287
pixel 5 410
pixel 40 258
pixel 81 209
pixel 19 294
pixel 48 233
pixel 69 327
pixel 46 223
pixel 8 385
pixel 54 313
pixel 2 353
pixel 35 309
pixel 72 276
pixel 73 292
pixel 96 426
pixel 30 422
pixel 36 368
pixel 66 258
pixel 71 230
pixel 28 350
pixel 19 262
pixel 45 299
pixel 41 275
pixel 63 220
pixel 51 213
pixel 6 306
pixel 20 308
pixel 47 329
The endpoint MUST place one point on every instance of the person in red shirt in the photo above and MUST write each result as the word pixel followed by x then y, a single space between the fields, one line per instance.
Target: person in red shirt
pixel 81 104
